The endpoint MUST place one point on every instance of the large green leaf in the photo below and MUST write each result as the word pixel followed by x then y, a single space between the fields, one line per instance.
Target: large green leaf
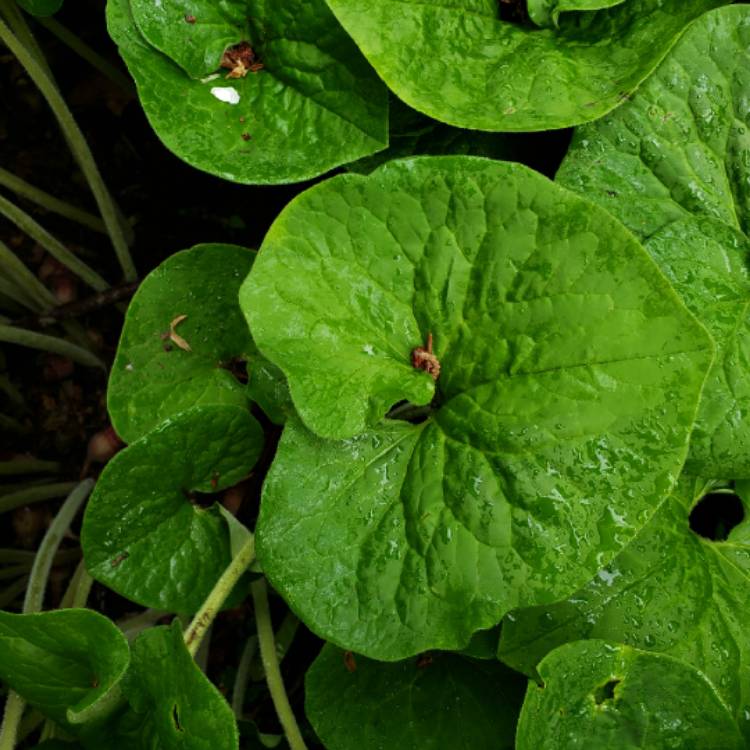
pixel 674 164
pixel 171 704
pixel 316 103
pixel 570 378
pixel 670 591
pixel 152 378
pixel 430 703
pixel 142 535
pixel 458 62
pixel 601 695
pixel 66 663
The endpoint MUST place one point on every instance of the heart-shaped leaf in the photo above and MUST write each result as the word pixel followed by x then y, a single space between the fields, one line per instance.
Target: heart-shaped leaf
pixel 184 334
pixel 171 703
pixel 315 103
pixel 459 62
pixel 569 378
pixel 601 695
pixel 670 591
pixel 432 702
pixel 142 535
pixel 673 165
pixel 66 663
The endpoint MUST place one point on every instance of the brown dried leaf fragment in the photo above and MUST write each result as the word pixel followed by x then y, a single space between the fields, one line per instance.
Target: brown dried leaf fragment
pixel 422 358
pixel 240 60
pixel 190 19
pixel 175 337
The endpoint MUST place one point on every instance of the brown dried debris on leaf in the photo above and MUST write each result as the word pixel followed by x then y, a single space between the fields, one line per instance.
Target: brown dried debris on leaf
pixel 175 337
pixel 240 60
pixel 422 358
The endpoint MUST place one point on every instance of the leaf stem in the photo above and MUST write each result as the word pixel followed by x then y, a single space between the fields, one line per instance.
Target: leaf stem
pixel 51 244
pixel 50 202
pixel 243 675
pixel 271 665
pixel 24 337
pixel 35 594
pixel 17 466
pixel 35 494
pixel 33 288
pixel 211 607
pixel 78 145
pixel 91 56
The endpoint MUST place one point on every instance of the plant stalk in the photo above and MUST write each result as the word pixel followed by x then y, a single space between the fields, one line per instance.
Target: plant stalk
pixel 243 675
pixel 34 598
pixel 271 665
pixel 16 271
pixel 36 494
pixel 50 202
pixel 211 607
pixel 16 466
pixel 51 244
pixel 24 337
pixel 78 145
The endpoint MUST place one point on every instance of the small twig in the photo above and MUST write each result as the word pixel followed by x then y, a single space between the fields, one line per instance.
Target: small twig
pixel 50 202
pixel 214 601
pixel 271 665
pixel 81 307
pixel 24 337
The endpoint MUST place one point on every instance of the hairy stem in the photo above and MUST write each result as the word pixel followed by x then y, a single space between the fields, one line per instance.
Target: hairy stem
pixel 211 607
pixel 78 145
pixel 51 244
pixel 271 666
pixel 23 337
pixel 50 202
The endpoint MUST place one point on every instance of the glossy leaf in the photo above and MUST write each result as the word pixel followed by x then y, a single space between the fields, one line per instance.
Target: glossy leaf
pixel 458 62
pixel 67 663
pixel 547 12
pixel 315 104
pixel 41 7
pixel 673 164
pixel 601 695
pixel 171 704
pixel 432 702
pixel 142 535
pixel 569 382
pixel 152 377
pixel 669 591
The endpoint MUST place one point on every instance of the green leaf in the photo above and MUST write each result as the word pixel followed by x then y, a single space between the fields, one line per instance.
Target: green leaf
pixel 41 7
pixel 142 536
pixel 547 12
pixel 154 379
pixel 267 386
pixel 601 695
pixel 172 705
pixel 316 103
pixel 674 165
pixel 669 591
pixel 67 663
pixel 570 379
pixel 458 62
pixel 429 703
